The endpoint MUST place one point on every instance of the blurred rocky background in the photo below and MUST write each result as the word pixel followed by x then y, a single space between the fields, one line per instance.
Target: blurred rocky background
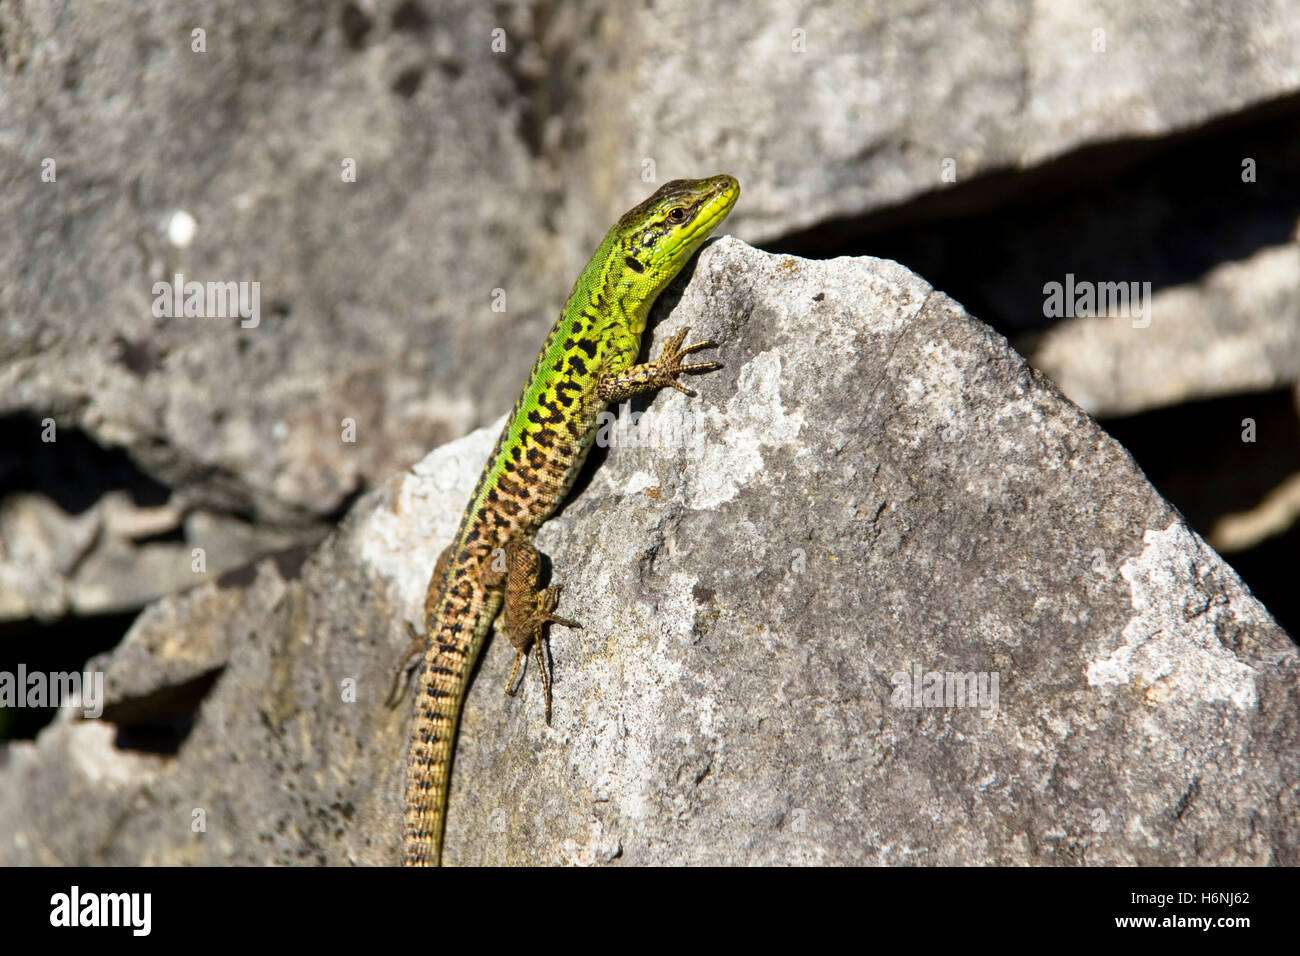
pixel 415 184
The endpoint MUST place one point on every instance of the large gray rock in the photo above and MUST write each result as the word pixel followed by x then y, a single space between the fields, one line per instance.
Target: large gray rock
pixel 874 490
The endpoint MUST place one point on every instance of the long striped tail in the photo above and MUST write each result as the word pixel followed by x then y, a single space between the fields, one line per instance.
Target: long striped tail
pixel 444 681
pixel 428 769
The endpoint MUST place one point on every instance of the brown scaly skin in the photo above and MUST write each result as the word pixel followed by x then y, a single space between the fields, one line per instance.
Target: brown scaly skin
pixel 586 364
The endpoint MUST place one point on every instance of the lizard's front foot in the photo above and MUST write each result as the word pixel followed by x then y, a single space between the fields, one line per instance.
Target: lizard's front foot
pixel 661 373
pixel 669 363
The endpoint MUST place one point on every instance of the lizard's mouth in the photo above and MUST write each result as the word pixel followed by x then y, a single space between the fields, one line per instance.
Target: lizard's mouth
pixel 724 190
pixel 712 209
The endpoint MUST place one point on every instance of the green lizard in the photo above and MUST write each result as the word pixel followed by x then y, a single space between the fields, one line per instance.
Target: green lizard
pixel 586 364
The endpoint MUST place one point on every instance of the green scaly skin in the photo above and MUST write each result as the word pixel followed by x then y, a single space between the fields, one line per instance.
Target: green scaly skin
pixel 587 363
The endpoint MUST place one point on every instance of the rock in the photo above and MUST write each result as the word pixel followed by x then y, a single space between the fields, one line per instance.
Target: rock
pixel 116 555
pixel 879 595
pixel 1235 330
pixel 375 295
pixel 831 114
pixel 1276 512
pixel 41 546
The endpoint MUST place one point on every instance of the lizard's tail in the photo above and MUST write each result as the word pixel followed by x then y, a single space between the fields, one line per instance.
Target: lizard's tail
pixel 456 623
pixel 428 771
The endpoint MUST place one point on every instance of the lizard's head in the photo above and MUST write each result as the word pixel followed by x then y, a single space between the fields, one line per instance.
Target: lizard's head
pixel 658 236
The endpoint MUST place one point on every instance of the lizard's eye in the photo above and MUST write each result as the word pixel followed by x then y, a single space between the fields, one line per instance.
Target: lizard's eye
pixel 677 214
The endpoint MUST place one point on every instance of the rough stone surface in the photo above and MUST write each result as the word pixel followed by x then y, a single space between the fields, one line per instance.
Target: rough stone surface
pixel 876 486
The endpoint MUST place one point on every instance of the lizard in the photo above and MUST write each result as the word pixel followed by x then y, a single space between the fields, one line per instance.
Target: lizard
pixel 587 363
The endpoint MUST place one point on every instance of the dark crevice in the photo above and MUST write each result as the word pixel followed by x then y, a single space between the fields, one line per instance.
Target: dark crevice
pixel 62 647
pixel 240 577
pixel 336 516
pixel 1195 456
pixel 174 535
pixel 160 721
pixel 1269 570
pixel 1160 210
pixel 289 561
pixel 73 471
pixel 155 723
